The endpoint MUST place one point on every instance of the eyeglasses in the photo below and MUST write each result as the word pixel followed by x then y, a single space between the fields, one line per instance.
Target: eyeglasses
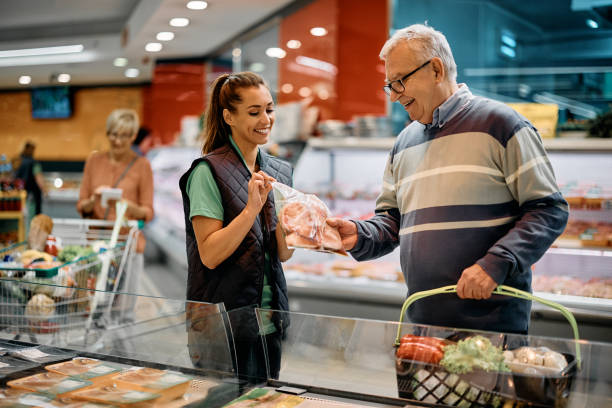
pixel 397 86
pixel 120 136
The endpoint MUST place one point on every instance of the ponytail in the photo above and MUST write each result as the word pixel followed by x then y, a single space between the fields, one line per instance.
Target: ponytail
pixel 216 131
pixel 224 95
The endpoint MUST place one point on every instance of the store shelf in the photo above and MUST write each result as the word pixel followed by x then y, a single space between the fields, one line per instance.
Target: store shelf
pixel 558 144
pixel 352 143
pixel 573 145
pixel 10 215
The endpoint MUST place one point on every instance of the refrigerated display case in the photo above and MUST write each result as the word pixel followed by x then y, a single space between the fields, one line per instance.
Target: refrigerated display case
pixel 346 173
pixel 324 361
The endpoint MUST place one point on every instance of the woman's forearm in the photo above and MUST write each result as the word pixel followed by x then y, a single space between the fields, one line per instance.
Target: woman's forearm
pixel 219 245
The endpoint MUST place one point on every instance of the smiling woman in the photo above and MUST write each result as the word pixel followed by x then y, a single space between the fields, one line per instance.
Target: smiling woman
pixel 234 249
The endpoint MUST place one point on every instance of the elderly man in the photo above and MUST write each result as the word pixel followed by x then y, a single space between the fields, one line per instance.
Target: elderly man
pixel 468 193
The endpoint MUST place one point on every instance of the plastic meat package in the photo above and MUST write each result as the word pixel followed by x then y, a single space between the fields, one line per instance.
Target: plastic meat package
pixel 302 218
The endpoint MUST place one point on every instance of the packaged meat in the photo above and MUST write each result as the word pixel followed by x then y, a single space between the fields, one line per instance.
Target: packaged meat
pixel 14 368
pixel 302 218
pixel 14 398
pixel 38 354
pixel 168 384
pixel 87 369
pixel 116 395
pixel 49 383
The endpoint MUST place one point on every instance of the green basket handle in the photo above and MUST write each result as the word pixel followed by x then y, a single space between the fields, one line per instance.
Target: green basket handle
pixel 500 290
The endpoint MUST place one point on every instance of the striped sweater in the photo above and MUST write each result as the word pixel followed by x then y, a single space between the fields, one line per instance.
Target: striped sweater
pixel 474 186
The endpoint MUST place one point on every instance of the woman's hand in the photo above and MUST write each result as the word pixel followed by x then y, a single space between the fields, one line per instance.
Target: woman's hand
pixel 260 186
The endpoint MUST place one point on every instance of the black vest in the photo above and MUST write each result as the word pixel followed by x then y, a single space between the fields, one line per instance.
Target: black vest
pixel 238 281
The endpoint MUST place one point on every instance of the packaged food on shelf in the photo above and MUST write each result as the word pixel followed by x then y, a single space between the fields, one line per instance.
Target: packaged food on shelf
pixel 49 383
pixel 87 369
pixel 168 384
pixel 115 395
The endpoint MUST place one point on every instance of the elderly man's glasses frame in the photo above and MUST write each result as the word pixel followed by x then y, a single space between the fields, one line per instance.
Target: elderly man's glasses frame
pixel 397 86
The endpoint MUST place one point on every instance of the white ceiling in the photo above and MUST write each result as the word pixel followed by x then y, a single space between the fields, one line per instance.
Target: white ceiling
pixel 98 25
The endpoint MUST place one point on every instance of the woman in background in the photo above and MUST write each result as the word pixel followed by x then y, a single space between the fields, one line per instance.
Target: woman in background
pixel 234 247
pixel 122 168
pixel 30 171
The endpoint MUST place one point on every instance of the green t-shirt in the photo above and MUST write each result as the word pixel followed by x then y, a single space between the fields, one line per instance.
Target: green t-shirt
pixel 205 200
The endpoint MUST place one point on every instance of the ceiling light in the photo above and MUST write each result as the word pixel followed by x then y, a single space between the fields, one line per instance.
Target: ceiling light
pixel 323 94
pixel 236 52
pixel 197 5
pixel 287 88
pixel 294 44
pixel 120 62
pixel 29 52
pixel 592 23
pixel 25 79
pixel 132 72
pixel 305 92
pixel 165 36
pixel 63 78
pixel 153 47
pixel 257 67
pixel 275 52
pixel 179 22
pixel 318 31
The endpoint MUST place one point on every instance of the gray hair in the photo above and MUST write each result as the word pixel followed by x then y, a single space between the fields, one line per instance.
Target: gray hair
pixel 122 120
pixel 427 41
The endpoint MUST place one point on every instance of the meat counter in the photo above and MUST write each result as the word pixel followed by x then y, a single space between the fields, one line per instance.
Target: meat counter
pixel 322 361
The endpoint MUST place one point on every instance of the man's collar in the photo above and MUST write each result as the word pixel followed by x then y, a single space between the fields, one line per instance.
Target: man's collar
pixel 451 106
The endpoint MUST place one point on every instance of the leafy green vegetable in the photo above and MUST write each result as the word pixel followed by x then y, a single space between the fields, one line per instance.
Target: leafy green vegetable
pixel 72 252
pixel 471 353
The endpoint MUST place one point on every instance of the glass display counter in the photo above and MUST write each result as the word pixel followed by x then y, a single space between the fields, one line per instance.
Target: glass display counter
pixel 295 359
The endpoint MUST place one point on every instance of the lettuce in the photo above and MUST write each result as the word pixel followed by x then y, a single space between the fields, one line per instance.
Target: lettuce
pixel 472 353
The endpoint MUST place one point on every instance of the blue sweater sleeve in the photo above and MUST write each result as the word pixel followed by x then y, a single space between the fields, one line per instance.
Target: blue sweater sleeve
pixel 377 236
pixel 543 212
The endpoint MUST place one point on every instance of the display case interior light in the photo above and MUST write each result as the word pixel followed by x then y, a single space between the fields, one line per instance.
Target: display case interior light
pixel 179 22
pixel 165 36
pixel 25 79
pixel 197 5
pixel 120 62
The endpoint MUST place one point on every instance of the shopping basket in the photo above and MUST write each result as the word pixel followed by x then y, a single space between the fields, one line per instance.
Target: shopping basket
pixel 434 384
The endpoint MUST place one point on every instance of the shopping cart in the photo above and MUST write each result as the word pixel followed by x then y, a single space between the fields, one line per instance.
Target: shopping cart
pixel 429 382
pixel 42 300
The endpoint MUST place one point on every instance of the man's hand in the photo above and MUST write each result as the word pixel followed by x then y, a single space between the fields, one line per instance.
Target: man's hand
pixel 475 283
pixel 347 230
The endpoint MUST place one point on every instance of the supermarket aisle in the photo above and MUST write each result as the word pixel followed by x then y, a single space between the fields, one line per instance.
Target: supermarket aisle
pixel 161 279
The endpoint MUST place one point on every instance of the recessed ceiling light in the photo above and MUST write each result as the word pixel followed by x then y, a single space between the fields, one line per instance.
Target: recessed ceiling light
pixel 318 31
pixel 275 52
pixel 179 22
pixel 29 52
pixel 25 79
pixel 63 78
pixel 153 47
pixel 132 72
pixel 257 67
pixel 197 5
pixel 287 88
pixel 120 62
pixel 294 44
pixel 305 92
pixel 592 23
pixel 323 94
pixel 236 52
pixel 165 36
